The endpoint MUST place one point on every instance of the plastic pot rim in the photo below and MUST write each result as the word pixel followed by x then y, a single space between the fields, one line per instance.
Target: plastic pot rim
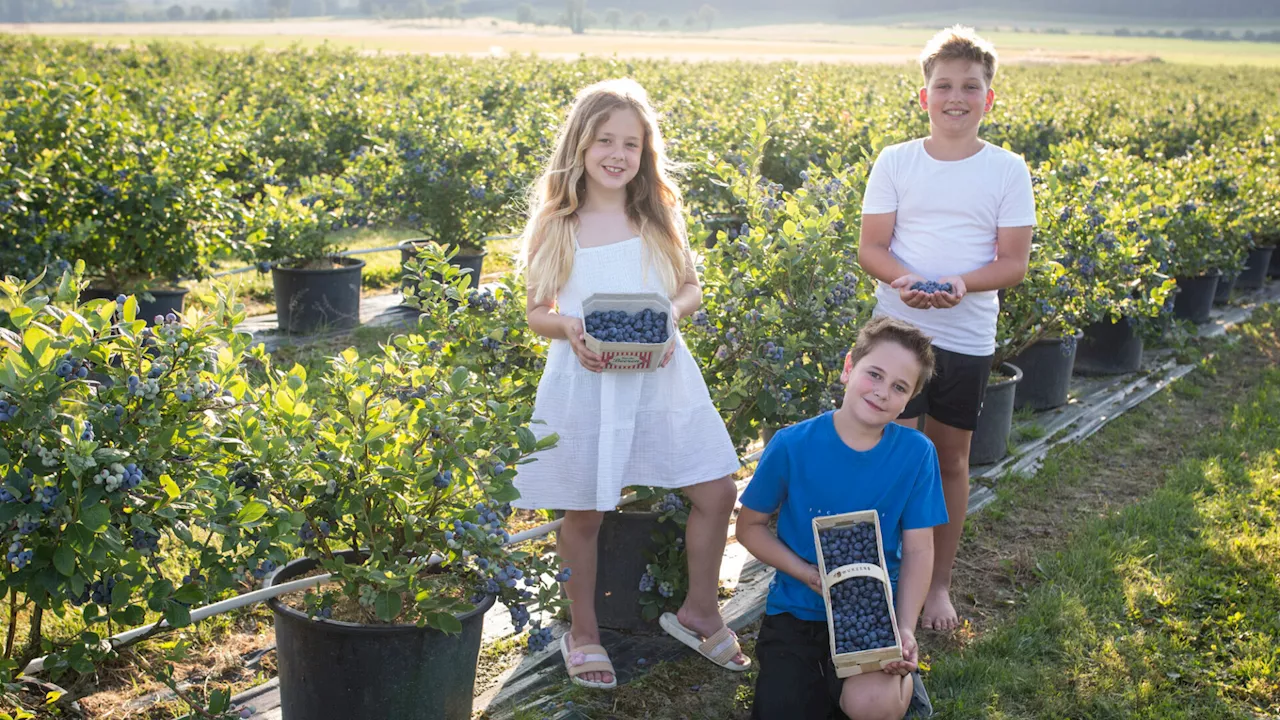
pixel 356 628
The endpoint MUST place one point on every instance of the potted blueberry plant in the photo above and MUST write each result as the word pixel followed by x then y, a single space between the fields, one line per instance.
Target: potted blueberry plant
pixel 461 181
pixel 396 471
pixel 116 504
pixel 291 233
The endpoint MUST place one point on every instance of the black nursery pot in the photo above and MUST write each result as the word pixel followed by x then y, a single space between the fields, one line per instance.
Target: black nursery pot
pixel 1226 285
pixel 991 437
pixel 1109 348
pixel 1046 373
pixel 1194 300
pixel 331 669
pixel 625 539
pixel 309 300
pixel 1256 267
pixel 168 300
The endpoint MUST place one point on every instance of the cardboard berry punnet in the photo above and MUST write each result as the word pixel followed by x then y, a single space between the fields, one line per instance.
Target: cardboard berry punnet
pixel 874 659
pixel 629 356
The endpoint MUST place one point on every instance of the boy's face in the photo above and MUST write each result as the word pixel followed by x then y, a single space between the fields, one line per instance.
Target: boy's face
pixel 879 386
pixel 957 97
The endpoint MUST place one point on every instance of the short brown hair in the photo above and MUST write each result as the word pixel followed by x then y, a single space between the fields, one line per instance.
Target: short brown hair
pixel 959 42
pixel 884 329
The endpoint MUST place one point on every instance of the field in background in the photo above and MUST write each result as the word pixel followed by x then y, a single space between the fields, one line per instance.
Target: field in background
pixel 800 42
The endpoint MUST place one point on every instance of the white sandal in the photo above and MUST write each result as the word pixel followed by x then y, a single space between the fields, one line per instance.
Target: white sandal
pixel 588 658
pixel 721 648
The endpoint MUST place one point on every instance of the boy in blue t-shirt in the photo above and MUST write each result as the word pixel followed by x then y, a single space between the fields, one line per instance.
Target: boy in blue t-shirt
pixel 855 458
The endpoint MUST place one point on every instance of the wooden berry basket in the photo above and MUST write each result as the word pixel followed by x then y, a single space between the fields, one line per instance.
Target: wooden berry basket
pixel 856 663
pixel 625 356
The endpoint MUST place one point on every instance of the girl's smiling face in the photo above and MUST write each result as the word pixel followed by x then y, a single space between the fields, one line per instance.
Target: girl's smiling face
pixel 613 158
pixel 880 385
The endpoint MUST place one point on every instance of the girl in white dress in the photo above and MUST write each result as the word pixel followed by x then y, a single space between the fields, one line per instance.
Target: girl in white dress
pixel 606 217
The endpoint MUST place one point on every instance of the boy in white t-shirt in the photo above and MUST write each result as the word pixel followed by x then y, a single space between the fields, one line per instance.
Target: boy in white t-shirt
pixel 954 210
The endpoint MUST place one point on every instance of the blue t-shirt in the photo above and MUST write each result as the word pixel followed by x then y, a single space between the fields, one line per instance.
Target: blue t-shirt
pixel 808 471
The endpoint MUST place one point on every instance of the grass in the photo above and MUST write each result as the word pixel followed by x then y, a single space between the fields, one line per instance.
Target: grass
pixel 1135 576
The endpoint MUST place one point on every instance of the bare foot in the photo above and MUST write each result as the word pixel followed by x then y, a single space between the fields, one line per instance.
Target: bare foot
pixel 939 613
pixel 579 638
pixel 706 626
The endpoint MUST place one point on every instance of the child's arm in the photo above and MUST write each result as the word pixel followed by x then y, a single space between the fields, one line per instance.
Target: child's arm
pixel 1013 253
pixel 544 320
pixel 914 576
pixel 754 534
pixel 875 258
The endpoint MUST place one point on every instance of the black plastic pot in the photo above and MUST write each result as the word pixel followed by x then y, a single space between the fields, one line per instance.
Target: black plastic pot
pixel 625 538
pixel 1273 269
pixel 1226 284
pixel 308 300
pixel 1109 348
pixel 168 300
pixel 1194 300
pixel 1255 270
pixel 468 260
pixel 1046 373
pixel 991 438
pixel 330 669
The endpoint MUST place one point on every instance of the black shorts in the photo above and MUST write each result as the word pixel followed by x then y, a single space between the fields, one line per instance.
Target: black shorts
pixel 953 395
pixel 797 679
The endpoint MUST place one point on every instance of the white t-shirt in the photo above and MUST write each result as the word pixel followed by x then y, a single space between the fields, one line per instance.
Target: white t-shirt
pixel 948 212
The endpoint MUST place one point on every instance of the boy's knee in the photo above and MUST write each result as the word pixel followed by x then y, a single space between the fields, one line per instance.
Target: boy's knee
pixel 875 701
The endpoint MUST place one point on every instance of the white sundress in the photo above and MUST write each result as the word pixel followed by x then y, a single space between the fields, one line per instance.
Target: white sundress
pixel 619 428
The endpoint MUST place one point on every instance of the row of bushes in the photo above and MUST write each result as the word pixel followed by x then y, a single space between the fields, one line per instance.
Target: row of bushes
pixel 174 147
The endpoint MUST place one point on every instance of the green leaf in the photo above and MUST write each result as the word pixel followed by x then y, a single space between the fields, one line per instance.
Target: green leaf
pixel 459 378
pixel 526 440
pixel 387 606
pixel 445 622
pixel 79 538
pixel 251 512
pixel 20 316
pixel 96 517
pixel 64 559
pixel 177 615
pixel 170 487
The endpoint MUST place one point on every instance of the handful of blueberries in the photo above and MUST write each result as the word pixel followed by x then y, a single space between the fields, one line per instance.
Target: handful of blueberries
pixel 645 326
pixel 931 287
pixel 859 607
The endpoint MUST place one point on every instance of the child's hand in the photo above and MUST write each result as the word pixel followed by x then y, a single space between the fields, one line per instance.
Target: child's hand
pixel 814 579
pixel 576 335
pixel 943 299
pixel 912 298
pixel 910 655
pixel 666 357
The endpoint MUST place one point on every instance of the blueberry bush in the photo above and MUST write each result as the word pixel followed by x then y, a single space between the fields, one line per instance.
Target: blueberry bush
pixel 407 457
pixel 118 505
pixel 780 300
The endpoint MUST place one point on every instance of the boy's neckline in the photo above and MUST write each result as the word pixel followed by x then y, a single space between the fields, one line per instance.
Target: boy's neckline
pixel 835 427
pixel 949 152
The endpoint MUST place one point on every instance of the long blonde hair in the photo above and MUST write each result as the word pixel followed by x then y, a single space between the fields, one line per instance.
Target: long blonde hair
pixel 653 199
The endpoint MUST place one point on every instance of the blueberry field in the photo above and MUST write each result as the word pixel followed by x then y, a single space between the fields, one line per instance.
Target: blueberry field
pixel 154 464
